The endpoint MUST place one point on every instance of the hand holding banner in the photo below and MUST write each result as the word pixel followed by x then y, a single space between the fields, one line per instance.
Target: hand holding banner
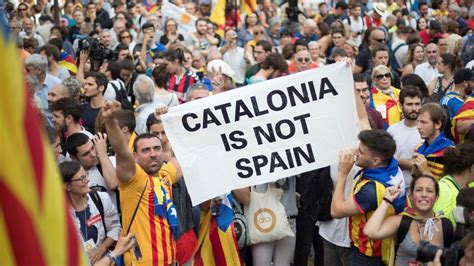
pixel 263 132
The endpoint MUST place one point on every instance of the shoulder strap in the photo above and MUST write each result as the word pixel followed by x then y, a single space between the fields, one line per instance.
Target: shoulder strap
pixel 136 208
pixel 398 47
pixel 448 233
pixel 115 89
pixel 402 230
pixel 454 183
pixel 98 203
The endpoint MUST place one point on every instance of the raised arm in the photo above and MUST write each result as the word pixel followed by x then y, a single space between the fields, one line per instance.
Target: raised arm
pixel 124 157
pixel 108 170
pixel 377 227
pixel 340 206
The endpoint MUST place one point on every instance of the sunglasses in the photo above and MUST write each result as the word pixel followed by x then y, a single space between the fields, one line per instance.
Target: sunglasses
pixel 380 40
pixel 258 33
pixel 381 76
pixel 306 60
pixel 21 9
pixel 125 36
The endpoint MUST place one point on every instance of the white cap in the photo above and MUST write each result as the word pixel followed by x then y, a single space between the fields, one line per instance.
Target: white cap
pixel 220 65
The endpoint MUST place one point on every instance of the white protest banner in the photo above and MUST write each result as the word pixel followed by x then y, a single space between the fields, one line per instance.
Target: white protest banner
pixel 186 22
pixel 264 131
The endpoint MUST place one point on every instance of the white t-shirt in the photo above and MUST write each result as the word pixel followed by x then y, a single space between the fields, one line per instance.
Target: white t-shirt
pixel 336 231
pixel 96 179
pixel 401 52
pixel 406 138
pixel 110 94
pixel 235 59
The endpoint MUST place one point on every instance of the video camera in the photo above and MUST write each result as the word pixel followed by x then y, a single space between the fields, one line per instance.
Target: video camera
pixel 426 252
pixel 97 50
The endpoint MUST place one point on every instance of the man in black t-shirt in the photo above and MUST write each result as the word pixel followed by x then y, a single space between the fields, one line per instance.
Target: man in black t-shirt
pixel 363 60
pixel 94 87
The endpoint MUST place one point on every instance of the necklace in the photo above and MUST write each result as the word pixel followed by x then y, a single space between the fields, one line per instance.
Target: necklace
pixel 429 228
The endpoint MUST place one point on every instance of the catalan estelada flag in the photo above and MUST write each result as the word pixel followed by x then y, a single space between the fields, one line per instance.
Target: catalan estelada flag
pixel 218 16
pixel 466 112
pixel 215 247
pixel 35 227
pixel 249 6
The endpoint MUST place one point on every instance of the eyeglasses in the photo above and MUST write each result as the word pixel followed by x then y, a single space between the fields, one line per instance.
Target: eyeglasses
pixel 125 36
pixel 82 178
pixel 305 59
pixel 258 33
pixel 21 9
pixel 381 76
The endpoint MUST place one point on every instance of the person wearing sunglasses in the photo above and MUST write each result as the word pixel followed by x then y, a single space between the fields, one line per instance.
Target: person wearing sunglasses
pixel 23 10
pixel 364 57
pixel 384 96
pixel 93 213
pixel 302 62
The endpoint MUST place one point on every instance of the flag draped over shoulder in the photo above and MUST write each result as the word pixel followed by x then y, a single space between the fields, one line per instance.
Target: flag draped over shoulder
pixel 218 16
pixel 466 112
pixel 35 227
pixel 215 246
pixel 249 6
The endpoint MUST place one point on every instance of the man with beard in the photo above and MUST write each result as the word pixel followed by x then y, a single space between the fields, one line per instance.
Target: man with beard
pixel 362 89
pixel 404 133
pixel 66 117
pixel 202 40
pixel 145 193
pixel 94 87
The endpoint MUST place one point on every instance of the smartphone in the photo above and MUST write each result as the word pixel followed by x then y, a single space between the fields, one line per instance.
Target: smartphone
pixel 136 250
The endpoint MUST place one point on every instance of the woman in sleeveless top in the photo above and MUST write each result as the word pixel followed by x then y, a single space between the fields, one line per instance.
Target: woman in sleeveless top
pixel 415 56
pixel 419 224
pixel 447 66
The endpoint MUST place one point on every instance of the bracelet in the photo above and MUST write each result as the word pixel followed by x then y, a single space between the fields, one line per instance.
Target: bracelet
pixel 112 257
pixel 387 200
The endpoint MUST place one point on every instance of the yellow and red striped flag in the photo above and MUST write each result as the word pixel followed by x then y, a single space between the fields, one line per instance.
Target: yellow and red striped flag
pixel 216 247
pixel 249 6
pixel 35 226
pixel 218 16
pixel 466 112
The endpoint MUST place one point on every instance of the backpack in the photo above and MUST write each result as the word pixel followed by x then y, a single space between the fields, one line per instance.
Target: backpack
pixel 121 96
pixel 240 225
pixel 448 233
pixel 392 59
pixel 319 186
pixel 467 51
pixel 98 203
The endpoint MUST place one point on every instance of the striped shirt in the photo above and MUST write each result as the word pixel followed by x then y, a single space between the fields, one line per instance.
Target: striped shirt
pixel 153 233
pixel 181 85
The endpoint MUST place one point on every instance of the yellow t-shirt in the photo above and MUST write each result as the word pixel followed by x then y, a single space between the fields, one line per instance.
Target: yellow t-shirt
pixel 153 233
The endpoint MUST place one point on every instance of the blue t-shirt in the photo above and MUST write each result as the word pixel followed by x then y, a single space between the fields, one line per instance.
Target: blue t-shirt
pixel 366 197
pixel 88 232
pixel 453 102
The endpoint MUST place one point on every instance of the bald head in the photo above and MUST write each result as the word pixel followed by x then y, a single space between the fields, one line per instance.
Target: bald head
pixel 376 37
pixel 57 92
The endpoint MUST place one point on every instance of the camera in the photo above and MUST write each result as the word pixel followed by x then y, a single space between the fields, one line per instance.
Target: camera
pixel 97 50
pixel 426 252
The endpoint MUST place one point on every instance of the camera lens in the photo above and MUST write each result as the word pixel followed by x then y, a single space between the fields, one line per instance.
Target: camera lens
pixel 426 252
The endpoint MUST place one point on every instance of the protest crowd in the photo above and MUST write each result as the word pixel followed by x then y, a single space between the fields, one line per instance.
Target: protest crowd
pixel 103 73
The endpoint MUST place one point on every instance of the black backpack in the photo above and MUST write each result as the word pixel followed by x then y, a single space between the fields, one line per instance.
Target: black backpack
pixel 318 186
pixel 98 203
pixel 121 96
pixel 448 233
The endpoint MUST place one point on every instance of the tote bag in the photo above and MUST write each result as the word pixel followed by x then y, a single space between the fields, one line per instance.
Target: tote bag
pixel 266 216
